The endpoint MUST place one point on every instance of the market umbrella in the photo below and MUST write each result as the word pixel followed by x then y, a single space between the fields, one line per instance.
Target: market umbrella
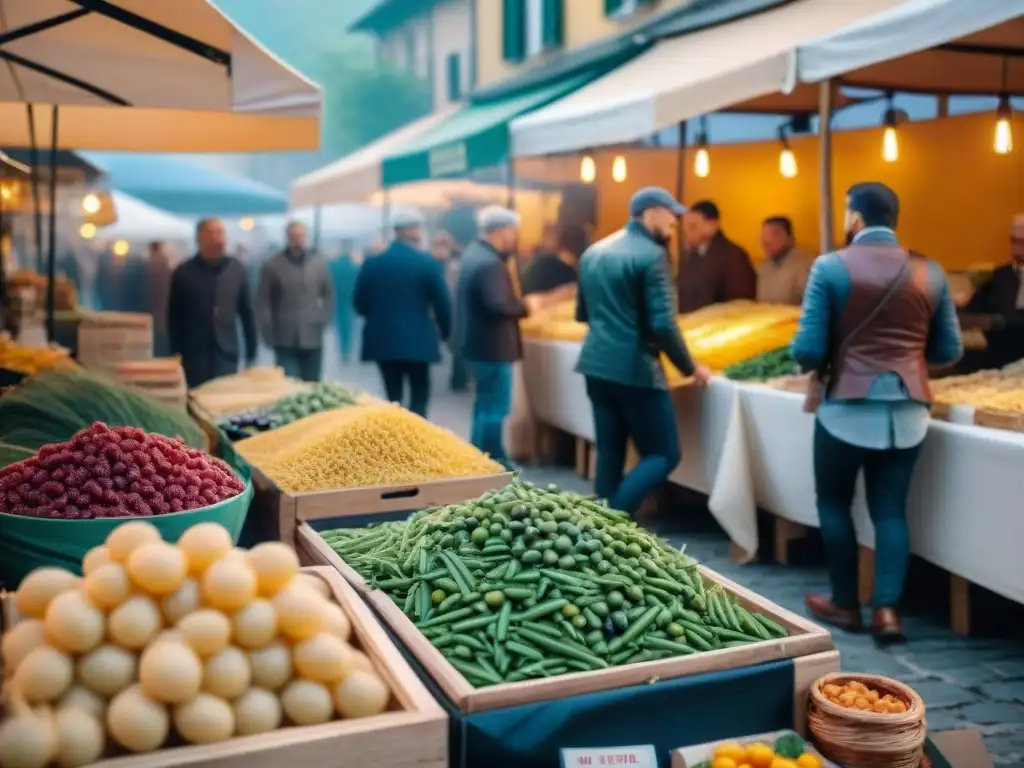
pixel 144 76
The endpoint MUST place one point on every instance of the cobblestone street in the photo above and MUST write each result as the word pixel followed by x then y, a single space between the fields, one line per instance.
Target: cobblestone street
pixel 966 682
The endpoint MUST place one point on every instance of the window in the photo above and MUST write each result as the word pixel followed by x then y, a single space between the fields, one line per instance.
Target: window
pixel 624 9
pixel 454 67
pixel 513 29
pixel 531 27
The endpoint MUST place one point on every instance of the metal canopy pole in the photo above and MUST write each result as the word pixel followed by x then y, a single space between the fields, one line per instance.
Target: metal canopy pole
pixel 825 98
pixel 511 182
pixel 51 261
pixel 680 189
pixel 37 214
pixel 317 223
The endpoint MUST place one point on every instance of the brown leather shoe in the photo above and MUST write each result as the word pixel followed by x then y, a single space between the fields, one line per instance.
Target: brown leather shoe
pixel 886 627
pixel 823 609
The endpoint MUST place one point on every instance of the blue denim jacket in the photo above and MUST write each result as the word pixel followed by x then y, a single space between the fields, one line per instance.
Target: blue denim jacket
pixel 887 417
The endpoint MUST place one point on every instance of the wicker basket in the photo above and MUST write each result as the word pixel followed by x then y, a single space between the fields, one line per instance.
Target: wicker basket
pixel 857 739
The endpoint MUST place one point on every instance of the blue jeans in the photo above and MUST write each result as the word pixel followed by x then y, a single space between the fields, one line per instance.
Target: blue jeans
pixel 646 415
pixel 304 364
pixel 887 476
pixel 492 404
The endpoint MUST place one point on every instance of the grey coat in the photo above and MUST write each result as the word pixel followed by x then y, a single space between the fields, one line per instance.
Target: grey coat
pixel 295 302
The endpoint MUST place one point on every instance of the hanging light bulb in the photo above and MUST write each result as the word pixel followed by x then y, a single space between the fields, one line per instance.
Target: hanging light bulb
pixel 87 231
pixel 121 248
pixel 246 224
pixel 1003 144
pixel 588 170
pixel 5 192
pixel 619 169
pixel 890 141
pixel 787 160
pixel 91 203
pixel 702 160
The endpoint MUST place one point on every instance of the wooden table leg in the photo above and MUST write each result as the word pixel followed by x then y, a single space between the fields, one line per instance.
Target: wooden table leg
pixel 865 575
pixel 786 531
pixel 960 605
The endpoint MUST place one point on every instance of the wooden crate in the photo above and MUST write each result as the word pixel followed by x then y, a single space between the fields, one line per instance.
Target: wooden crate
pixel 108 338
pixel 806 639
pixel 688 757
pixel 413 734
pixel 1012 421
pixel 287 510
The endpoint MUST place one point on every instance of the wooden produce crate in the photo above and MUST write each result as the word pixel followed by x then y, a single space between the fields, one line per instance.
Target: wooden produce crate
pixel 276 514
pixel 413 734
pixel 108 338
pixel 1012 421
pixel 688 757
pixel 162 378
pixel 805 639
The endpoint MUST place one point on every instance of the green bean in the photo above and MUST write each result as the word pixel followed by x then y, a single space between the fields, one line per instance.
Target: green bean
pixel 635 629
pixel 458 613
pixel 563 649
pixel 658 644
pixel 503 620
pixel 775 629
pixel 524 650
pixel 544 609
pixel 475 623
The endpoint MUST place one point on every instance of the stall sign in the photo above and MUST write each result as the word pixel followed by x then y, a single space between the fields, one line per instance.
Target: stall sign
pixel 449 160
pixel 642 756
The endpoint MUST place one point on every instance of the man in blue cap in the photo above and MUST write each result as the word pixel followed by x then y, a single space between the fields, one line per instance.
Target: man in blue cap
pixel 875 316
pixel 627 296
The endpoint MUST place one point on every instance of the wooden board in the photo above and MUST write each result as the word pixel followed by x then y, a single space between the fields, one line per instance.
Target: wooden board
pixel 1012 421
pixel 292 509
pixel 414 734
pixel 805 639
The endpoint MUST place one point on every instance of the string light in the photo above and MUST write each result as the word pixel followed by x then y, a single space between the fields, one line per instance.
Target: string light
pixel 121 248
pixel 702 160
pixel 1003 144
pixel 87 231
pixel 787 160
pixel 91 204
pixel 588 170
pixel 619 169
pixel 890 141
pixel 247 224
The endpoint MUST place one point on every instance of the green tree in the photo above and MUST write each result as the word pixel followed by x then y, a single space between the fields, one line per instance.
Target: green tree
pixel 365 100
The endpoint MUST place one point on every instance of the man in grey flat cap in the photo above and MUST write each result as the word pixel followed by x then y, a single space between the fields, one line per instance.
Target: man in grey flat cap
pixel 404 299
pixel 627 297
pixel 489 310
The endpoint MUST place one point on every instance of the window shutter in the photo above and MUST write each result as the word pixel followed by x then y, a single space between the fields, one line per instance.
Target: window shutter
pixel 612 6
pixel 454 77
pixel 553 23
pixel 513 39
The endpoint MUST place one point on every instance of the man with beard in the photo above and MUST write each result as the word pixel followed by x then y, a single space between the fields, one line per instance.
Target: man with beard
pixel 627 297
pixel 713 269
pixel 875 315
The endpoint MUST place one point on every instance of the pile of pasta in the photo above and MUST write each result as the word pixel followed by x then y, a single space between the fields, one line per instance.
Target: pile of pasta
pixel 359 446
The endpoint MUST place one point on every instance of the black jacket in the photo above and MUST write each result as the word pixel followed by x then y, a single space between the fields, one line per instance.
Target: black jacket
pixel 999 297
pixel 205 305
pixel 488 309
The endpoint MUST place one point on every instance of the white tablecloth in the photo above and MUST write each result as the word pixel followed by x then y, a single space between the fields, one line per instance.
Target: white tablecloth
pixel 558 397
pixel 965 511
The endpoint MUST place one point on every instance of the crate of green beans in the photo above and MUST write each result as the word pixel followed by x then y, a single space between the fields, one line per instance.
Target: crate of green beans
pixel 530 584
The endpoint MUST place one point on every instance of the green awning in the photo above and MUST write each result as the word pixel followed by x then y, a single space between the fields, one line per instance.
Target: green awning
pixel 475 137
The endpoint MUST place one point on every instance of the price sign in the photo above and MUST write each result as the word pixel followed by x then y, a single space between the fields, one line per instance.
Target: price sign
pixel 642 756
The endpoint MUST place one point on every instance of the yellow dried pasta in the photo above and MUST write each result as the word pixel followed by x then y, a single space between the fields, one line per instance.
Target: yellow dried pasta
pixel 359 446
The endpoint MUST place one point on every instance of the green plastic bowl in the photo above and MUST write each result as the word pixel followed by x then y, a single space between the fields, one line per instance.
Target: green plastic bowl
pixel 27 543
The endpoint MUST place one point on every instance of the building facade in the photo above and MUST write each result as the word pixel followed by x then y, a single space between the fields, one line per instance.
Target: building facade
pixel 516 35
pixel 432 39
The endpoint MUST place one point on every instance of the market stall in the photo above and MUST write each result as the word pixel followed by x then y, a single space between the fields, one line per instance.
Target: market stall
pixel 569 636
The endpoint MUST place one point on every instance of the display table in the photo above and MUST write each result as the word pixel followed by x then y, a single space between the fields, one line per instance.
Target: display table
pixel 748 447
pixel 558 398
pixel 964 507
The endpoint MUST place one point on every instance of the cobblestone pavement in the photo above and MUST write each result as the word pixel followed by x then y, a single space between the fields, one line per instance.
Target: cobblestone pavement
pixel 966 682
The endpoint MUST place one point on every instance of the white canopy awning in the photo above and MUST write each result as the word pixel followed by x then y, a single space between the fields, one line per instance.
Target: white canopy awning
pixel 139 74
pixel 706 71
pixel 943 46
pixel 141 222
pixel 357 177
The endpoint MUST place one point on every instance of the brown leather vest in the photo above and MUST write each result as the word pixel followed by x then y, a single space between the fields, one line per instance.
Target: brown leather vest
pixel 894 341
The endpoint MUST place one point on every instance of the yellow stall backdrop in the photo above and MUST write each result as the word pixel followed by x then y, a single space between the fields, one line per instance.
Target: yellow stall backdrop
pixel 958 196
